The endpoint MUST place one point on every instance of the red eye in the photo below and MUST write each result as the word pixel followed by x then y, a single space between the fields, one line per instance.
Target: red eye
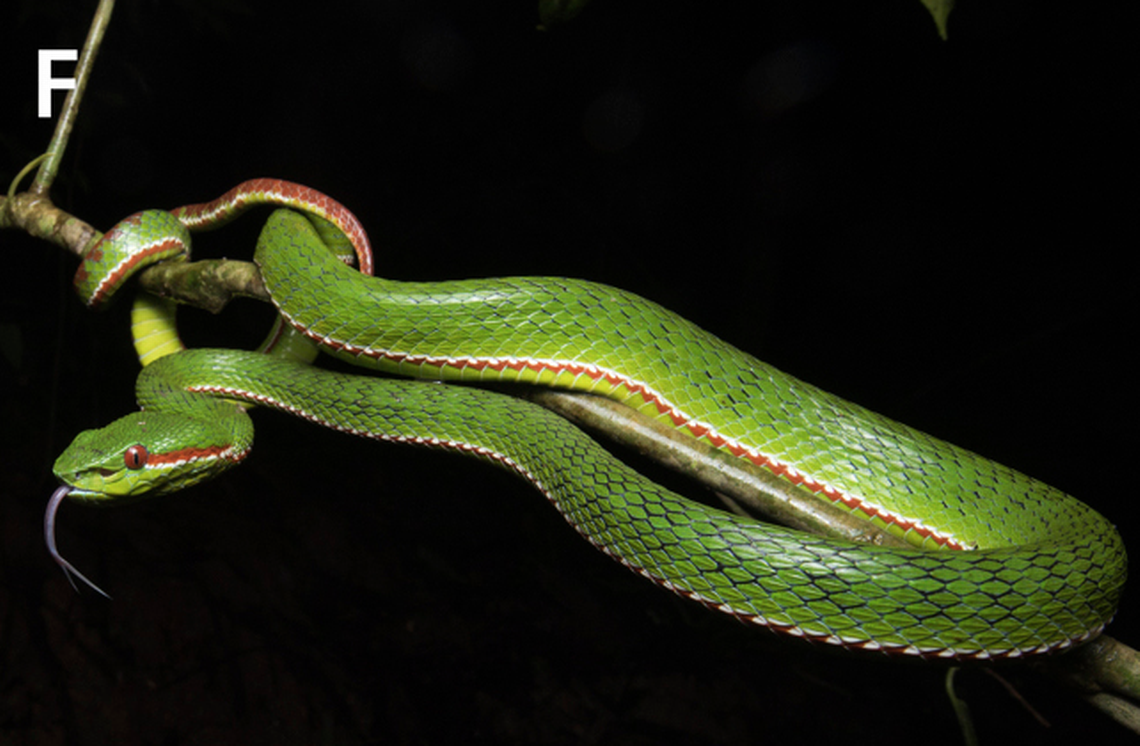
pixel 135 456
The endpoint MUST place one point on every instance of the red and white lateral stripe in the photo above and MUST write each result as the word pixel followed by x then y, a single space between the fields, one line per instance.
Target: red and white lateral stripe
pixel 230 392
pixel 847 642
pixel 613 380
pixel 780 627
pixel 113 278
pixel 173 459
pixel 284 193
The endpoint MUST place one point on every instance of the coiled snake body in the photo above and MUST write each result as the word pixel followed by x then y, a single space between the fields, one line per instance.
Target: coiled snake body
pixel 1003 565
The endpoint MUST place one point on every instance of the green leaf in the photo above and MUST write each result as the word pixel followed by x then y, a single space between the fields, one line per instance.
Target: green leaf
pixel 940 9
pixel 552 12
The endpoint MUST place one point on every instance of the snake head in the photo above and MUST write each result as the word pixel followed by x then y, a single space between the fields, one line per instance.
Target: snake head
pixel 142 454
pixel 145 454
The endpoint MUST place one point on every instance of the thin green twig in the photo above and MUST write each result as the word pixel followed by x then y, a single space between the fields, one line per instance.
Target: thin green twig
pixel 46 175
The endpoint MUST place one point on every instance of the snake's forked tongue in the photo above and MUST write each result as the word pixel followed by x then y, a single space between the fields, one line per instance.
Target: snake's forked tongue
pixel 49 536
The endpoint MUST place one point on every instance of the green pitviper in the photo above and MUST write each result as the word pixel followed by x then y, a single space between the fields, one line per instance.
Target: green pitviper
pixel 1002 565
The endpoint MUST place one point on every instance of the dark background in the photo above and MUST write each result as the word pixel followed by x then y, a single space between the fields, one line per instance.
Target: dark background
pixel 935 230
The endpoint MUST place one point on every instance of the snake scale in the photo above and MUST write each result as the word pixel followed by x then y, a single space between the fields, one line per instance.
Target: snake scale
pixel 1001 565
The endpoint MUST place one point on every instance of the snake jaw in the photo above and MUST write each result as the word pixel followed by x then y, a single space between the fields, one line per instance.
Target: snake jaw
pixel 98 485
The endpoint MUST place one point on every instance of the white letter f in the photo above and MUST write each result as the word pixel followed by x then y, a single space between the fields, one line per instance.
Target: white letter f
pixel 47 83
